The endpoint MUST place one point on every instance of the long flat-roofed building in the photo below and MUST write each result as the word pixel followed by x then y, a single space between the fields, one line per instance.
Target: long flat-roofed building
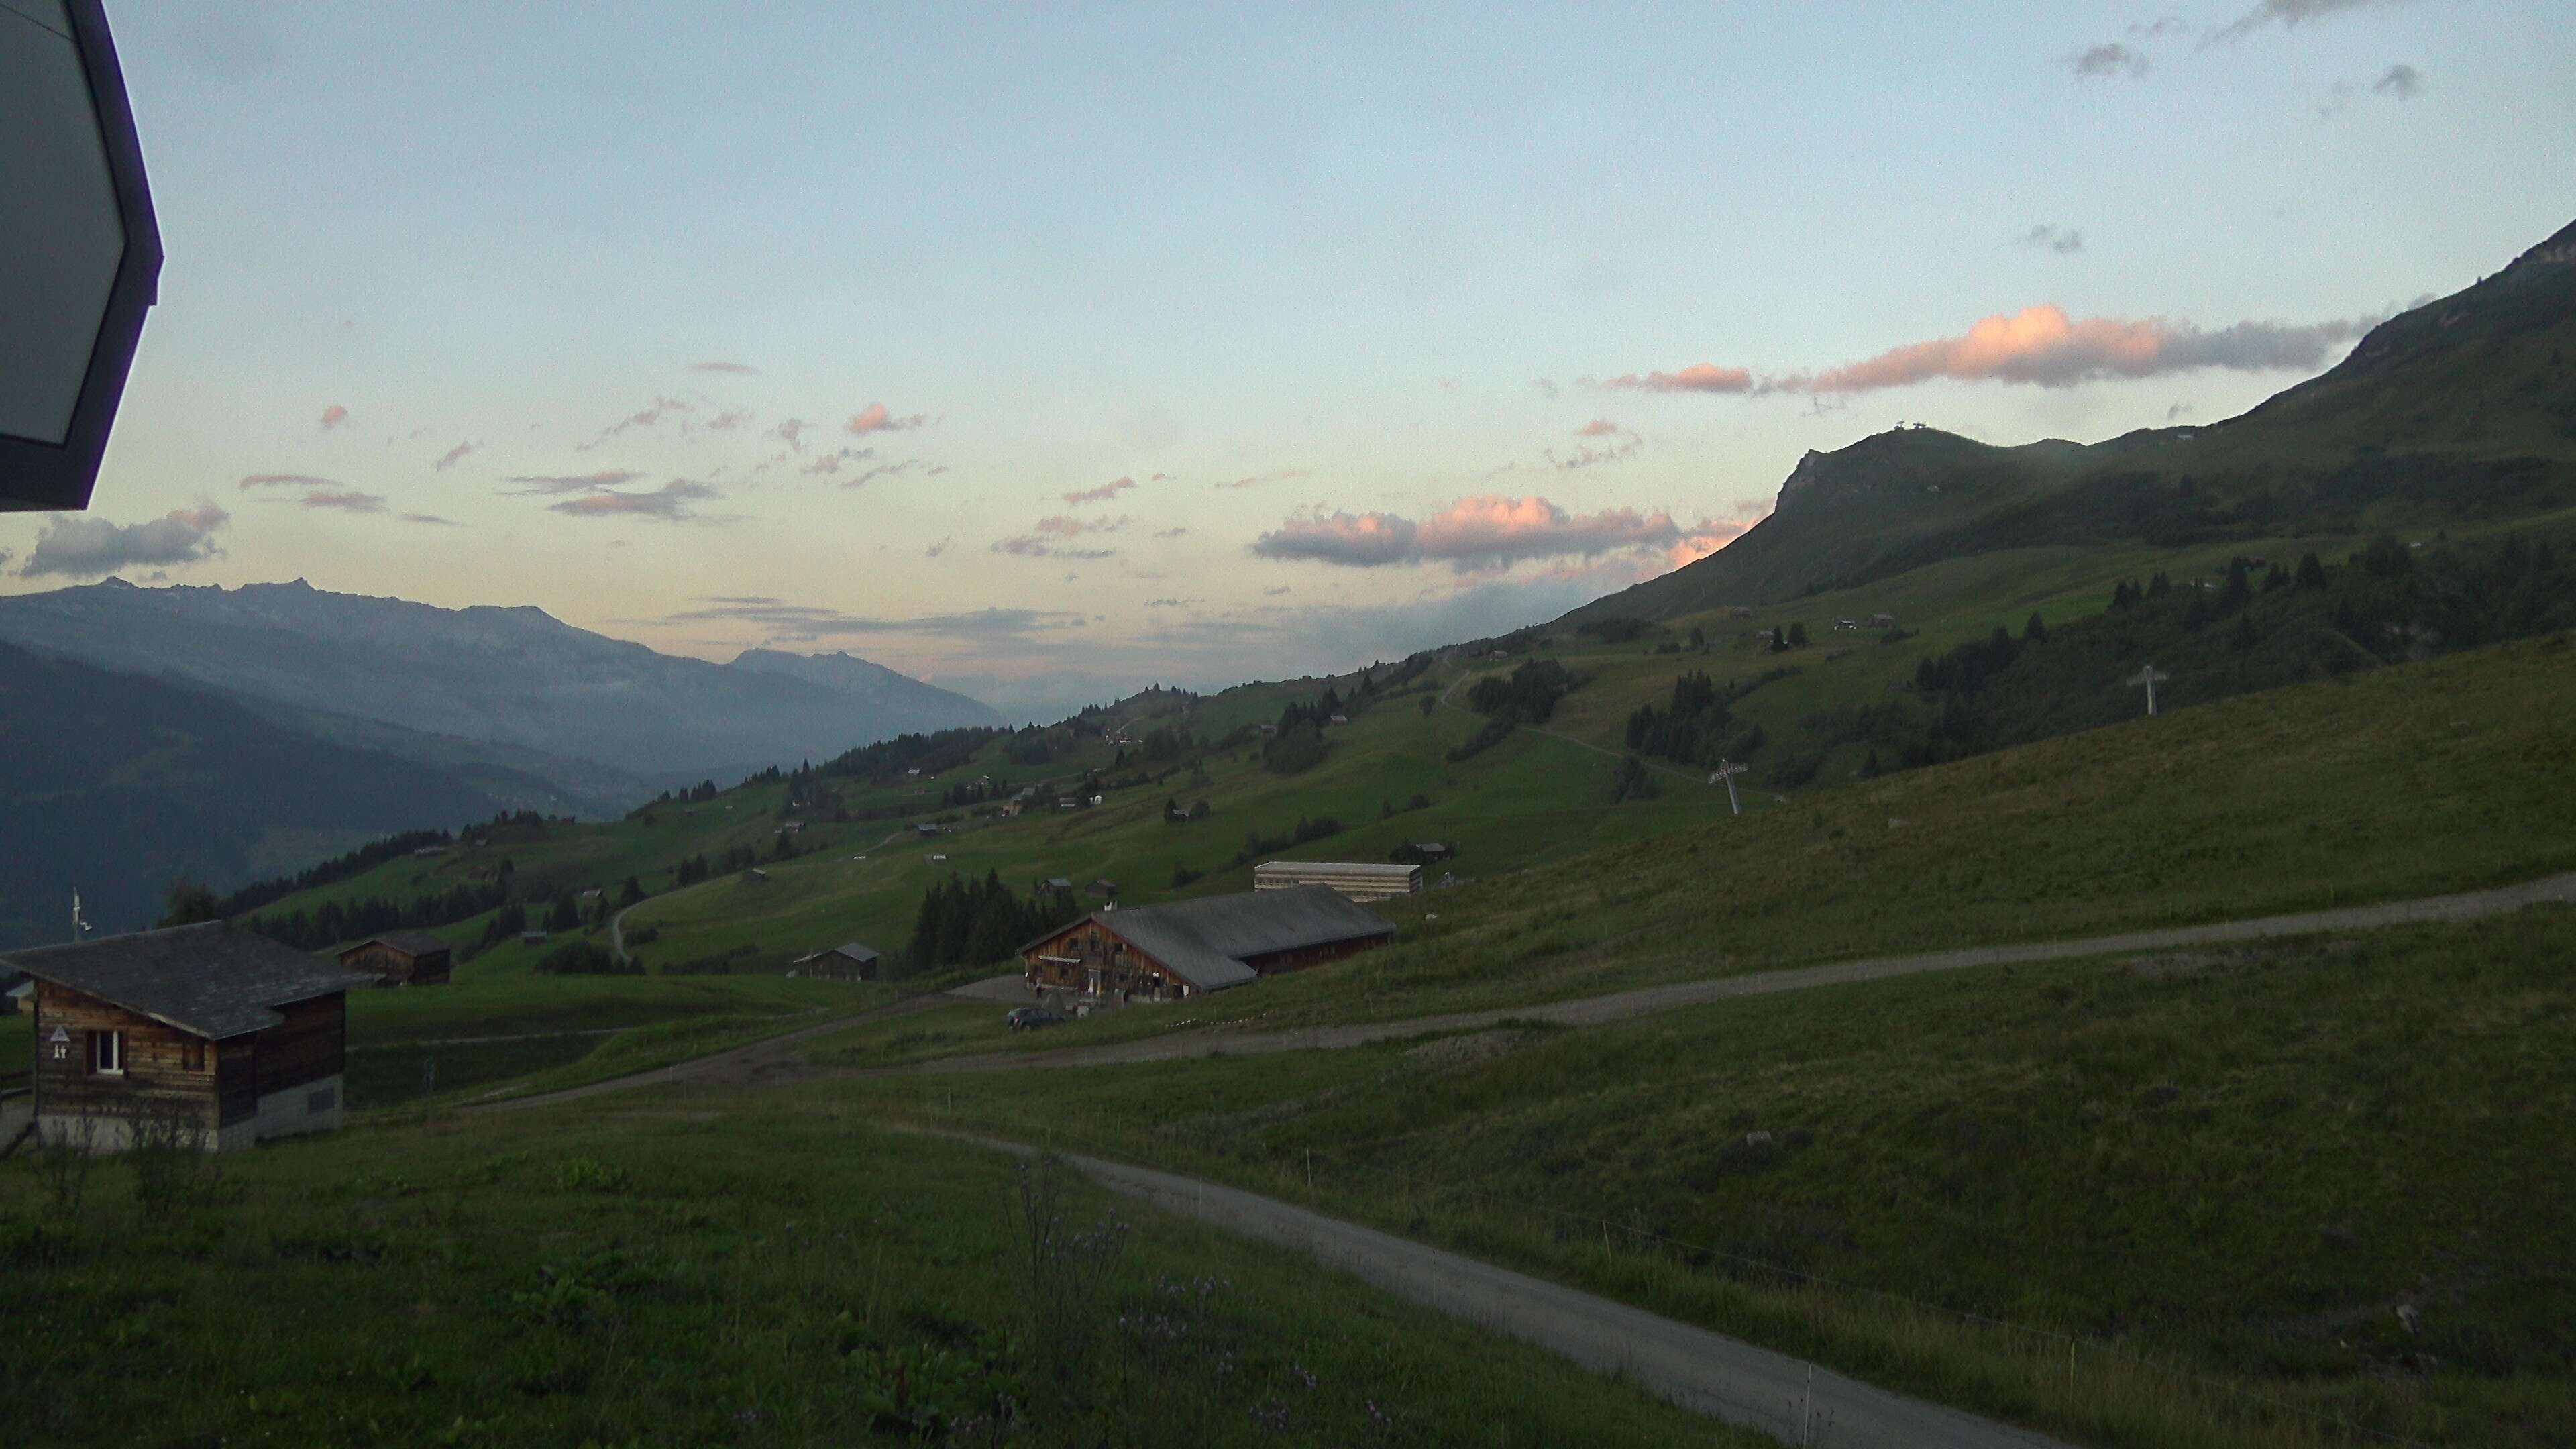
pixel 1358 879
pixel 1189 948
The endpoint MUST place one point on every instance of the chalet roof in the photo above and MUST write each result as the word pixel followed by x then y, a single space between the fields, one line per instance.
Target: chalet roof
pixel 410 943
pixel 211 980
pixel 854 951
pixel 1205 940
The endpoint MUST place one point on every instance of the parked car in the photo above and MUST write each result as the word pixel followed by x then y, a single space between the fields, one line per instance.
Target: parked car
pixel 1033 1018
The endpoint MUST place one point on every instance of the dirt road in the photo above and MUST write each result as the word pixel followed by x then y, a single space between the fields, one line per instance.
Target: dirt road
pixel 1704 1372
pixel 768 1060
pixel 1648 1001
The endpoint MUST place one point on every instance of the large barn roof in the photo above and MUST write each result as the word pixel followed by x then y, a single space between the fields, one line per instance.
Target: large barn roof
pixel 1206 940
pixel 210 981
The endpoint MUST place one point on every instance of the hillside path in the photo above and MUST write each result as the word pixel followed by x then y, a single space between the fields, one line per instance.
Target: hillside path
pixel 1652 1000
pixel 1703 1372
pixel 617 923
pixel 749 1065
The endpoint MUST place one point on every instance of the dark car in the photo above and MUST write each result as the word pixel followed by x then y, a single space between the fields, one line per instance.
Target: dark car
pixel 1032 1018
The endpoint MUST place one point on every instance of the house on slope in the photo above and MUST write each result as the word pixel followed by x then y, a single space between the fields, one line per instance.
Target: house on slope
pixel 1361 880
pixel 401 958
pixel 1188 948
pixel 221 1033
pixel 848 961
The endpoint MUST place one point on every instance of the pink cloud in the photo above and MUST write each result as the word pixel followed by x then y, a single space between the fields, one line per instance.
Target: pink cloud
pixel 1599 428
pixel 345 500
pixel 334 415
pixel 738 369
pixel 2043 346
pixel 1065 525
pixel 1103 493
pixel 1698 377
pixel 670 502
pixel 292 480
pixel 1488 533
pixel 875 419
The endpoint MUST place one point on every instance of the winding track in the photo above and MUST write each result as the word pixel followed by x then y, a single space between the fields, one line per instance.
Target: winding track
pixel 1704 1372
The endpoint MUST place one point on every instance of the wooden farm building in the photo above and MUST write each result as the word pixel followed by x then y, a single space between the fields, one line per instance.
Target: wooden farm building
pixel 218 1031
pixel 848 961
pixel 1360 880
pixel 1187 948
pixel 404 958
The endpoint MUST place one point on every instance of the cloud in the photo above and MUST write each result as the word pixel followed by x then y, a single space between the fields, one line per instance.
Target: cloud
pixel 82 547
pixel 1257 479
pixel 826 464
pixel 668 503
pixel 2288 14
pixel 1698 377
pixel 2402 81
pixel 806 623
pixel 1101 494
pixel 431 518
pixel 890 470
pixel 936 549
pixel 787 432
pixel 2179 411
pixel 728 420
pixel 1482 534
pixel 333 416
pixel 2110 58
pixel 2043 346
pixel 738 369
pixel 552 483
pixel 449 458
pixel 875 419
pixel 1172 603
pixel 1065 525
pixel 1546 389
pixel 291 480
pixel 2048 236
pixel 1599 428
pixel 345 500
pixel 1174 532
pixel 1029 545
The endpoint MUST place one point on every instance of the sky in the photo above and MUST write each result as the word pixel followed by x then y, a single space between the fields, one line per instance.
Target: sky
pixel 1046 352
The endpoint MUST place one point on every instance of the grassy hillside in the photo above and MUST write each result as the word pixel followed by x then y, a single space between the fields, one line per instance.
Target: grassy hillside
pixel 2460 410
pixel 2240 1164
pixel 779 1275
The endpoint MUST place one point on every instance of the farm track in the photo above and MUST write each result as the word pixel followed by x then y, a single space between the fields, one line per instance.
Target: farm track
pixel 1653 1000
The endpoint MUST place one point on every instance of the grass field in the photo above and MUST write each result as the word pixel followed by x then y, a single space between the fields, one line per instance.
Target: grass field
pixel 777 1273
pixel 2240 1162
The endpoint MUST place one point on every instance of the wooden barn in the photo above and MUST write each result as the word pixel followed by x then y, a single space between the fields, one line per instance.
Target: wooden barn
pixel 404 958
pixel 1361 880
pixel 218 1031
pixel 1188 948
pixel 848 961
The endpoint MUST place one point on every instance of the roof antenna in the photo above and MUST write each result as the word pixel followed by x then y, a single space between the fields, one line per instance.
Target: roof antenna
pixel 80 927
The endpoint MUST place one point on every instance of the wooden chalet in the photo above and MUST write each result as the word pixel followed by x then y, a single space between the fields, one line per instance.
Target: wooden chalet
pixel 213 1029
pixel 848 961
pixel 1188 948
pixel 403 958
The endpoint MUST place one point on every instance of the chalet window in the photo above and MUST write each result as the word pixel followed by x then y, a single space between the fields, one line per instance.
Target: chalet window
pixel 193 1056
pixel 107 1053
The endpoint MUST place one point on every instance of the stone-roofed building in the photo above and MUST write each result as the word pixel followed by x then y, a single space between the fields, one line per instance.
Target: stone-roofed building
pixel 221 1033
pixel 1188 948
pixel 400 958
pixel 848 961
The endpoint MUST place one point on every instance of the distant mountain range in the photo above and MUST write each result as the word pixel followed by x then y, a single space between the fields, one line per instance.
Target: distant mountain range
pixel 2461 409
pixel 567 701
pixel 223 735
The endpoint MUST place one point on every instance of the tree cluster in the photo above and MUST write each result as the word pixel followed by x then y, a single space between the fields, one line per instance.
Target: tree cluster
pixel 965 922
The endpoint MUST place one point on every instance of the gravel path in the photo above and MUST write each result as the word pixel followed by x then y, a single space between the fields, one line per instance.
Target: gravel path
pixel 1704 1372
pixel 1651 1000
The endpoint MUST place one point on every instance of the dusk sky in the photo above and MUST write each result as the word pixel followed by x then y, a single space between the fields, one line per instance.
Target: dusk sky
pixel 1045 353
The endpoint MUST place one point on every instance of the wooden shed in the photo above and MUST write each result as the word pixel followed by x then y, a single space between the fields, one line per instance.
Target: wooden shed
pixel 1188 948
pixel 217 1032
pixel 848 961
pixel 404 958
